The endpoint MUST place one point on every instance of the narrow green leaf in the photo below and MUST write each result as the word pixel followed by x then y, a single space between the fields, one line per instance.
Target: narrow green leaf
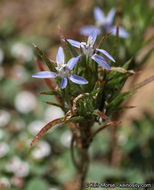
pixel 126 65
pixel 50 93
pixel 118 100
pixel 45 59
pixel 76 119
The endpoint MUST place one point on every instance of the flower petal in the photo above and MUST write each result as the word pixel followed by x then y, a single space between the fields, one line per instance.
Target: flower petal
pixel 99 15
pixel 77 79
pixel 106 54
pixel 87 30
pixel 122 32
pixel 45 74
pixel 74 43
pixel 110 16
pixel 92 37
pixel 64 83
pixel 101 61
pixel 71 63
pixel 60 56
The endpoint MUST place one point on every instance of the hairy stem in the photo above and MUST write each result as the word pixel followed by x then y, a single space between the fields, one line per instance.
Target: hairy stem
pixel 81 134
pixel 84 164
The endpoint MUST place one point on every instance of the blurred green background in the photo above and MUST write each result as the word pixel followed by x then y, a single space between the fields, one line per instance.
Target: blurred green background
pixel 123 157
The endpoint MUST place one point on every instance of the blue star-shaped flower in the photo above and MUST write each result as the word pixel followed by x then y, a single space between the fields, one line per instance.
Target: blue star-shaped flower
pixel 63 70
pixel 89 50
pixel 104 21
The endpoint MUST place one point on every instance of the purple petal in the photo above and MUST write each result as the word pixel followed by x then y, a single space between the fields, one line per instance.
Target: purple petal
pixel 64 83
pixel 101 61
pixel 71 63
pixel 99 15
pixel 106 54
pixel 77 79
pixel 92 37
pixel 60 56
pixel 87 30
pixel 45 74
pixel 74 43
pixel 122 32
pixel 110 16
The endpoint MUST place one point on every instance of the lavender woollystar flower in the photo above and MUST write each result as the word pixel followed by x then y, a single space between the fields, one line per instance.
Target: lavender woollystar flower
pixel 89 50
pixel 63 70
pixel 104 21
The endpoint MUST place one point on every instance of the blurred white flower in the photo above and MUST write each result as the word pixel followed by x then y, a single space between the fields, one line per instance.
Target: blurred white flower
pixel 1 56
pixel 19 73
pixel 42 150
pixel 18 167
pixel 35 126
pixel 4 148
pixel 65 138
pixel 4 183
pixel 122 139
pixel 22 170
pixel 1 134
pixel 25 102
pixel 21 50
pixel 53 112
pixel 13 164
pixel 52 188
pixel 1 72
pixel 4 118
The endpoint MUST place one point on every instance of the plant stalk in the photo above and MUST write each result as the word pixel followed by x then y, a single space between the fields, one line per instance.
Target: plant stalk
pixel 81 132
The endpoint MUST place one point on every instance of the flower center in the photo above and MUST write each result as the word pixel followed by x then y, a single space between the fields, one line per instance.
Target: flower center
pixel 87 48
pixel 63 71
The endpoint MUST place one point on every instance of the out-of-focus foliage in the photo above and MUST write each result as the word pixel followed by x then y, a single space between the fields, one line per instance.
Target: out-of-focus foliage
pixel 48 164
pixel 135 153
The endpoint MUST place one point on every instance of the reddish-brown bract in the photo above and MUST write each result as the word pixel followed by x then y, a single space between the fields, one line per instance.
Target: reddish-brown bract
pixel 45 129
